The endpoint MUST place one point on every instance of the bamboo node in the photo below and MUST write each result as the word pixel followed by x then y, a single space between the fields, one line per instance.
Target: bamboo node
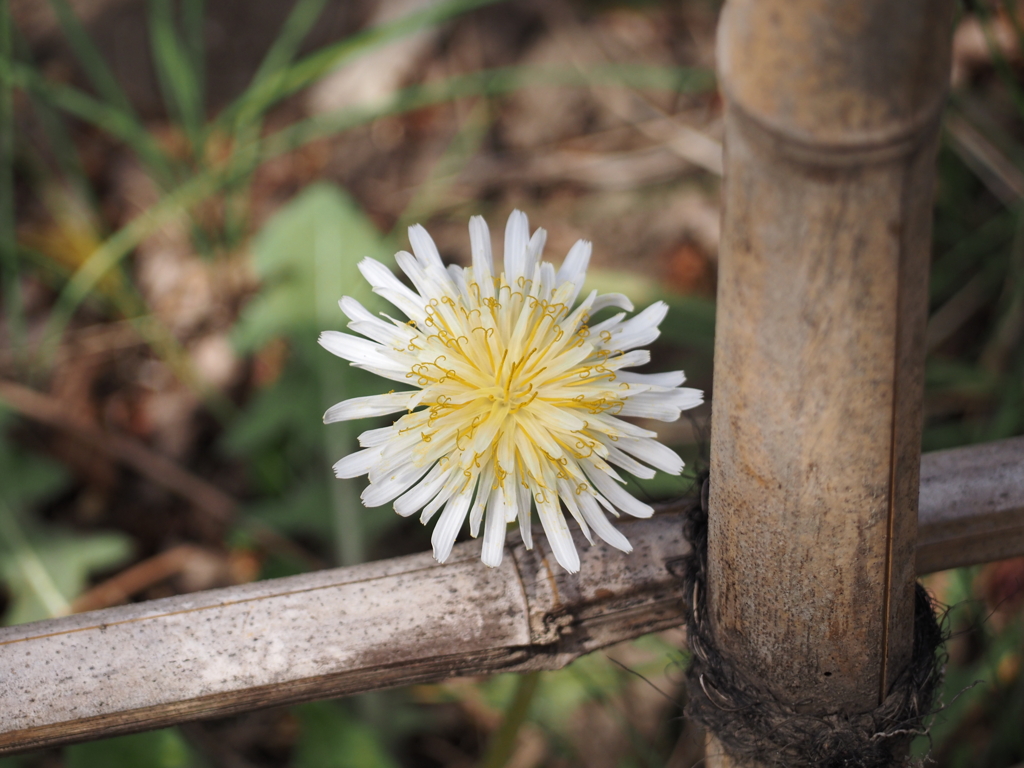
pixel 756 727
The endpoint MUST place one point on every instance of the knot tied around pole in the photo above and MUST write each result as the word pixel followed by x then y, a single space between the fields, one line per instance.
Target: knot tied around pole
pixel 754 726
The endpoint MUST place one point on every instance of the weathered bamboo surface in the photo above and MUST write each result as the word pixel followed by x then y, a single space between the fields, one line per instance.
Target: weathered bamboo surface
pixel 972 506
pixel 326 634
pixel 831 126
pixel 409 620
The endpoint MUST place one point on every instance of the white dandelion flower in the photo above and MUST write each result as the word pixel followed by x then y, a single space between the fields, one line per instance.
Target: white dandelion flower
pixel 516 396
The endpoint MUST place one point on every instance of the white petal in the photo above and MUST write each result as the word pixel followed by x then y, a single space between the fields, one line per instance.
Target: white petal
pixel 494 530
pixel 664 405
pixel 511 505
pixel 373 327
pixel 390 287
pixel 379 276
pixel 667 380
pixel 416 273
pixel 483 262
pixel 458 276
pixel 535 248
pixel 640 330
pixel 685 398
pixel 448 525
pixel 574 268
pixel 480 243
pixel 392 486
pixel 628 360
pixel 525 515
pixel 568 497
pixel 547 285
pixel 365 407
pixel 609 425
pixel 394 374
pixel 361 351
pixel 607 325
pixel 448 491
pixel 627 462
pixel 602 526
pixel 559 538
pixel 654 453
pixel 517 235
pixel 619 300
pixel 412 501
pixel 616 494
pixel 483 492
pixel 650 405
pixel 356 464
pixel 424 248
pixel 371 438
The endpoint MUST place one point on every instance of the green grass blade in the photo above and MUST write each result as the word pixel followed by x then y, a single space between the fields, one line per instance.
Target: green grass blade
pixel 25 557
pixel 431 193
pixel 261 96
pixel 108 119
pixel 8 252
pixel 59 140
pixel 193 19
pixel 113 250
pixel 66 154
pixel 1008 335
pixel 179 83
pixel 301 19
pixel 951 268
pixel 92 61
pixel 490 82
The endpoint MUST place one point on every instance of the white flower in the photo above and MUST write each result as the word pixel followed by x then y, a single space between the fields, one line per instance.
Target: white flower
pixel 516 396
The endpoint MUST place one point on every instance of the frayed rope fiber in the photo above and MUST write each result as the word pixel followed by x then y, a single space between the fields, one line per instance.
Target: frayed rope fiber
pixel 753 726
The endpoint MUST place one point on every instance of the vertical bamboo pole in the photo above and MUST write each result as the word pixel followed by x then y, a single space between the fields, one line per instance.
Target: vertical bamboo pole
pixel 831 126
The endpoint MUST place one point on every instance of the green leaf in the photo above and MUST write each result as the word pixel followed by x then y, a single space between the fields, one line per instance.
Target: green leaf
pixel 331 738
pixel 28 478
pixel 307 256
pixel 155 749
pixel 289 409
pixel 36 561
pixel 306 510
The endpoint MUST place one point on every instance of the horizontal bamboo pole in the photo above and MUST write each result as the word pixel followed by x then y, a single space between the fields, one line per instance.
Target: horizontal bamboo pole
pixel 972 506
pixel 409 620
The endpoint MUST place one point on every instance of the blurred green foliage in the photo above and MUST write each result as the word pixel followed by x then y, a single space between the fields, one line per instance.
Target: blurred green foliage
pixel 155 749
pixel 306 256
pixel 332 738
pixel 44 566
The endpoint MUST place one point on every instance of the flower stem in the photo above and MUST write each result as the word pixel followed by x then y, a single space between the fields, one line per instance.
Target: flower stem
pixel 503 742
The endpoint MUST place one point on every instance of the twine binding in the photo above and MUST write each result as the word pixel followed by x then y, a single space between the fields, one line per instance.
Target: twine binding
pixel 754 726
